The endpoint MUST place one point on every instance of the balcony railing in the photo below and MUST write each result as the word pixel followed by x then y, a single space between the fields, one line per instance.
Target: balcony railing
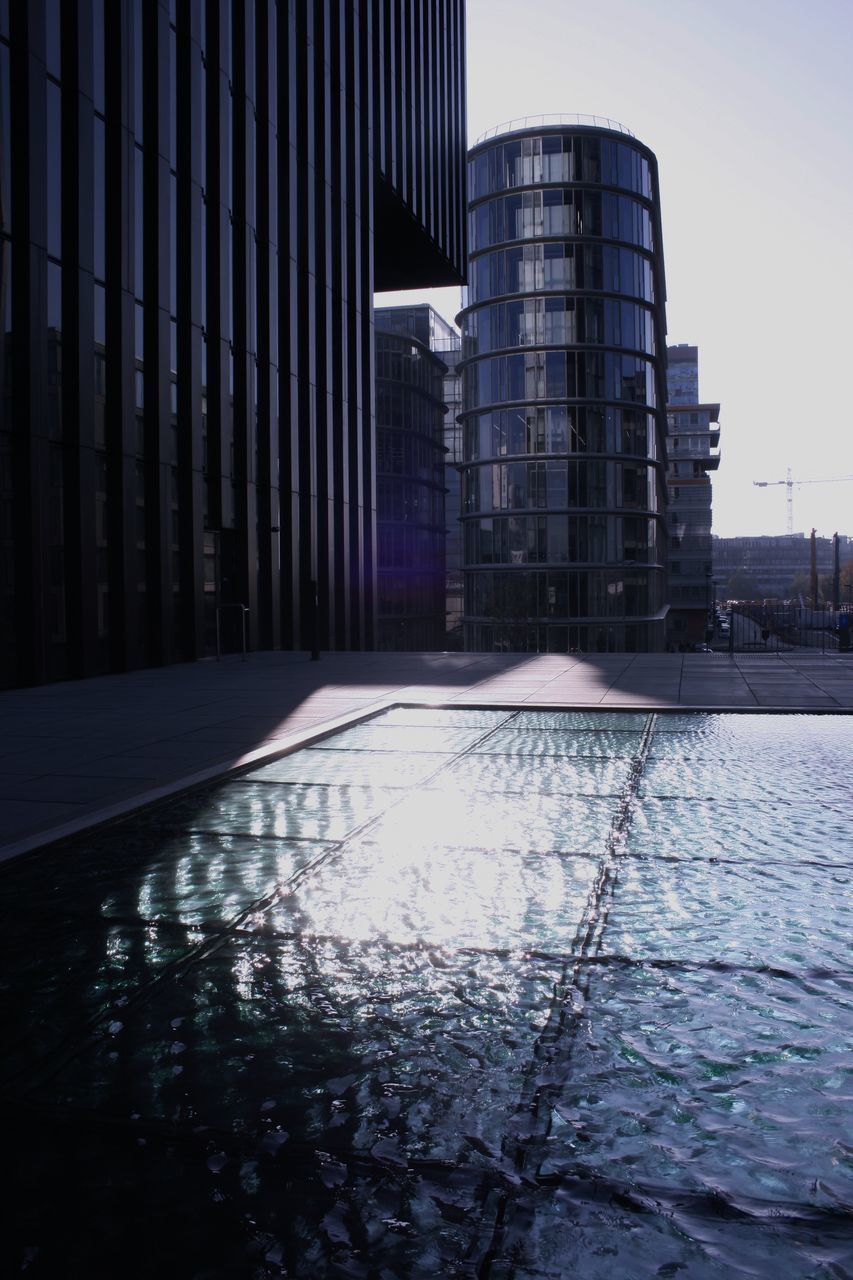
pixel 691 451
pixel 536 122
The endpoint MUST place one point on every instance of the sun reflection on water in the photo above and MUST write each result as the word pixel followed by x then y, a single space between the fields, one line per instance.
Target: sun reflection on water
pixel 428 872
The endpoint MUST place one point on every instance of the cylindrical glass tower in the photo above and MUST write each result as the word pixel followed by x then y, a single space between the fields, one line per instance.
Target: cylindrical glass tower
pixel 564 392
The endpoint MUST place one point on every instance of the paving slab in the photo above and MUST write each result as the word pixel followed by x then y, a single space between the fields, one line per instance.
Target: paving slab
pixel 24 817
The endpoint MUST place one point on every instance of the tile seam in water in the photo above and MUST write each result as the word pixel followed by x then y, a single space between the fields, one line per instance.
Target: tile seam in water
pixel 568 1000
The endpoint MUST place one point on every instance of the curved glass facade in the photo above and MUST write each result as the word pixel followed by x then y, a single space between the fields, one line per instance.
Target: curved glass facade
pixel 563 422
pixel 557 266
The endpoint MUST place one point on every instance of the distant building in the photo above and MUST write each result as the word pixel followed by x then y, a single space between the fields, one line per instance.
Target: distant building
pixel 197 203
pixel 693 437
pixel 455 580
pixel 564 391
pixel 447 342
pixel 767 567
pixel 410 477
pixel 429 332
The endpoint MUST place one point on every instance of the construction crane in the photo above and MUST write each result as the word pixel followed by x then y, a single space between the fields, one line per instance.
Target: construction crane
pixel 789 484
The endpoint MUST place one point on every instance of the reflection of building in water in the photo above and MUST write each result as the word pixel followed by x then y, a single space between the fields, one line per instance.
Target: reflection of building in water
pixel 692 452
pixel 205 198
pixel 419 542
pixel 564 392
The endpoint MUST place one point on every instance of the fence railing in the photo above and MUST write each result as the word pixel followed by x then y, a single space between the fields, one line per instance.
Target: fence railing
pixel 758 628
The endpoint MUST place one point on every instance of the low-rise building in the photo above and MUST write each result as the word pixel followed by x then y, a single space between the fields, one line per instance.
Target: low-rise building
pixel 776 567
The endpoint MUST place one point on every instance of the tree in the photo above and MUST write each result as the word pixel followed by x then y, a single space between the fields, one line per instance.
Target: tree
pixel 824 588
pixel 800 586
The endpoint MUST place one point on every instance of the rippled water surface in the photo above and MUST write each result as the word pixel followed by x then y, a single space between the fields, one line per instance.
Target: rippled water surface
pixel 471 993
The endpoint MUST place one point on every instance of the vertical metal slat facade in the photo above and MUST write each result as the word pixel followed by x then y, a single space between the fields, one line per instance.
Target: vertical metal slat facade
pixel 198 199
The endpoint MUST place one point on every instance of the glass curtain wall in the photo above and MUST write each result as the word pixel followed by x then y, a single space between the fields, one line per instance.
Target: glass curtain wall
pixel 564 394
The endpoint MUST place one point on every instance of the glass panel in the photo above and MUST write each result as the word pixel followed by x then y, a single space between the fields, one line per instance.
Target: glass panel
pixel 54 170
pixel 53 51
pixel 98 54
pixel 99 200
pixel 5 144
pixel 138 207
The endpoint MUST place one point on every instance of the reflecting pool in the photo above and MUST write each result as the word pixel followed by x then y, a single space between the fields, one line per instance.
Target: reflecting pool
pixel 476 993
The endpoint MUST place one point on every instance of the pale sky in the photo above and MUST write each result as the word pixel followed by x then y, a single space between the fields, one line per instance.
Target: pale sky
pixel 748 105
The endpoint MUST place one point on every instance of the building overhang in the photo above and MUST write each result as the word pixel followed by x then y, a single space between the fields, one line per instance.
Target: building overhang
pixel 405 255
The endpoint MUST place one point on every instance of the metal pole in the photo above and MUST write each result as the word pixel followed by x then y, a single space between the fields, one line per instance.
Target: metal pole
pixel 244 610
pixel 813 568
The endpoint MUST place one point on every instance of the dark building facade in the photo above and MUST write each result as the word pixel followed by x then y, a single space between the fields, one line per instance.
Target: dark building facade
pixel 693 452
pixel 564 392
pixel 410 519
pixel 197 200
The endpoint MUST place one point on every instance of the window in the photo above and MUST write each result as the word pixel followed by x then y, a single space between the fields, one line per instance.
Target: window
pixel 5 143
